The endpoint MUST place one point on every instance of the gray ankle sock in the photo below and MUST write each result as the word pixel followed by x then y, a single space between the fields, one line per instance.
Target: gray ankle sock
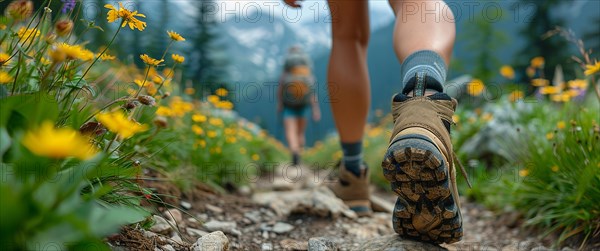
pixel 352 157
pixel 424 62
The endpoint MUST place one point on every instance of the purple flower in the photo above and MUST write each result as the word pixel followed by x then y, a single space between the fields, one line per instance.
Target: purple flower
pixel 68 5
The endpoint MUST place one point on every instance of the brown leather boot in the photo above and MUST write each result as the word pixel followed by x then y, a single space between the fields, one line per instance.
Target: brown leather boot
pixel 353 190
pixel 419 165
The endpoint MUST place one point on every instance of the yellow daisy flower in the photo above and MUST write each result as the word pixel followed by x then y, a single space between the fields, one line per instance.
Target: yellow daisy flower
pixel 515 96
pixel 538 62
pixel 178 58
pixel 475 87
pixel 222 92
pixel 5 78
pixel 25 33
pixel 255 157
pixel 4 58
pixel 199 118
pixel 150 61
pixel 507 71
pixel 107 57
pixel 592 68
pixel 128 17
pixel 52 142
pixel 539 82
pixel 118 123
pixel 197 130
pixel 175 36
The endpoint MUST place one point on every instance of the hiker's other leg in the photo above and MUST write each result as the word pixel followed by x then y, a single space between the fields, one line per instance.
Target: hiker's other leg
pixel 291 133
pixel 301 133
pixel 423 25
pixel 347 75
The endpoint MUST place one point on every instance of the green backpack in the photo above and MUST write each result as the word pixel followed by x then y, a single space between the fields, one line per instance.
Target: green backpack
pixel 297 90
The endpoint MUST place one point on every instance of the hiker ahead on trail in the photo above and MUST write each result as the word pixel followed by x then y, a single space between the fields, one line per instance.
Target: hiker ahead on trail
pixel 296 94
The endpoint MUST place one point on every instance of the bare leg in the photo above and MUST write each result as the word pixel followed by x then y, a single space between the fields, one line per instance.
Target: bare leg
pixel 423 25
pixel 301 125
pixel 291 134
pixel 348 77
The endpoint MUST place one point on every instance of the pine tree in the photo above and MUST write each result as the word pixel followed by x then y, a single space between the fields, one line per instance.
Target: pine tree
pixel 207 65
pixel 482 32
pixel 554 49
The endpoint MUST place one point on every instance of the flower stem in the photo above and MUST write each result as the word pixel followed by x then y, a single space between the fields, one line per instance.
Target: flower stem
pixel 143 83
pixel 166 77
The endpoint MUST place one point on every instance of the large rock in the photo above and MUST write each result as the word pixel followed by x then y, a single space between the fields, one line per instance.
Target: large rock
pixel 396 243
pixel 215 241
pixel 318 201
pixel 322 244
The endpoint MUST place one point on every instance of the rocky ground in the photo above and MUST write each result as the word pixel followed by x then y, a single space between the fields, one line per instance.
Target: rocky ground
pixel 278 213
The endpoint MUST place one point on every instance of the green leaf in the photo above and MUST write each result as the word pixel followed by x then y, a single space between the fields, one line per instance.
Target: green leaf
pixel 5 142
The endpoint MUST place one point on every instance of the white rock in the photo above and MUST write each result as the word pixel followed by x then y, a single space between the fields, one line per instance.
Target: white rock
pixel 282 228
pixel 214 209
pixel 322 244
pixel 253 216
pixel 225 226
pixel 185 205
pixel 215 241
pixel 317 201
pixel 195 232
pixel 160 225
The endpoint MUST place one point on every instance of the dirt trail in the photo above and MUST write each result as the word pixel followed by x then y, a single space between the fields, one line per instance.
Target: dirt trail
pixel 282 214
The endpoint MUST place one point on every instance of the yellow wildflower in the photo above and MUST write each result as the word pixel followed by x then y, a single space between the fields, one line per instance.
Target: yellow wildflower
pixel 150 61
pixel 561 97
pixel 507 71
pixel 538 62
pixel 211 134
pixel 515 96
pixel 243 150
pixel 151 89
pixel 550 90
pixel 523 172
pixel 51 142
pixel 222 92
pixel 4 58
pixel 5 78
pixel 592 68
pixel 178 58
pixel 118 123
pixel 215 121
pixel 476 87
pixel 201 143
pixel 198 118
pixel 213 99
pixel 63 51
pixel 554 168
pixel 45 61
pixel 539 82
pixel 157 79
pixel 561 125
pixel 164 111
pixel 549 136
pixel 25 33
pixel 578 84
pixel 455 118
pixel 190 91
pixel 226 105
pixel 255 157
pixel 231 140
pixel 175 36
pixel 487 117
pixel 2 26
pixel 197 130
pixel 128 17
pixel 107 57
pixel 139 82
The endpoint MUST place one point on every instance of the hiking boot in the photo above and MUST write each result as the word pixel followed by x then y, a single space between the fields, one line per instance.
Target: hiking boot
pixel 353 190
pixel 419 165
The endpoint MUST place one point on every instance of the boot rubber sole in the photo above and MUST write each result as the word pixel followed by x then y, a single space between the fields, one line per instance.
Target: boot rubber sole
pixel 425 209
